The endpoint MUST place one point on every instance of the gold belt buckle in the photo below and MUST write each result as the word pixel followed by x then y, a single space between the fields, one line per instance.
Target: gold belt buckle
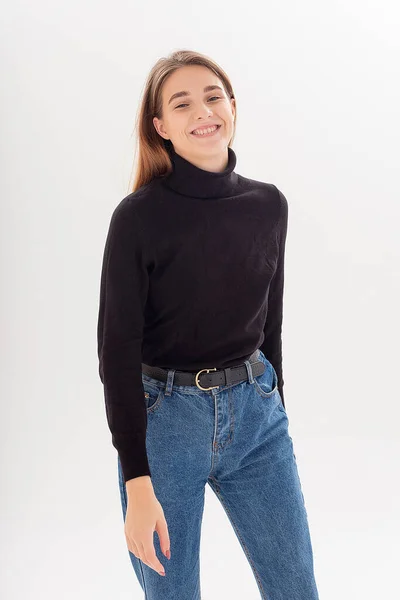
pixel 197 379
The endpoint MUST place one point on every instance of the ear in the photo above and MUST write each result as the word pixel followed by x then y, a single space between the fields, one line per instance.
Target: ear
pixel 233 106
pixel 158 124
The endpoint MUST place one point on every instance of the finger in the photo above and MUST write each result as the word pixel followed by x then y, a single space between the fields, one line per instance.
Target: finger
pixel 151 558
pixel 132 547
pixel 163 535
pixel 130 542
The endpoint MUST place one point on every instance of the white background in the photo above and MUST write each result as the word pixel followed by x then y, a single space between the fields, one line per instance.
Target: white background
pixel 317 88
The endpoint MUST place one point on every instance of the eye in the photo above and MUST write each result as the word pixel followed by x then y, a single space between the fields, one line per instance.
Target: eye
pixel 179 105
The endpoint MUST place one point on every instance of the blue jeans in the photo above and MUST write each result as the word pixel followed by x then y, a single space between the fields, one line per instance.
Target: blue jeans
pixel 235 438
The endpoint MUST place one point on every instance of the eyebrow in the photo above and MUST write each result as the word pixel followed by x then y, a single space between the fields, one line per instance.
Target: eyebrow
pixel 208 88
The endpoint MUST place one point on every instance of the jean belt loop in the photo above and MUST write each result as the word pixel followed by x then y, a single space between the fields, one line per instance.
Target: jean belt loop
pixel 249 371
pixel 169 382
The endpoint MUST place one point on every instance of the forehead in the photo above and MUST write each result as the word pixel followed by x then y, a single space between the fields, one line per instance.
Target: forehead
pixel 189 79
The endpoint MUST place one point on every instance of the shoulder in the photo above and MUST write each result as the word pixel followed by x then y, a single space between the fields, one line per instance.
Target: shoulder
pixel 128 211
pixel 283 208
pixel 283 204
pixel 264 188
pixel 269 193
pixel 133 201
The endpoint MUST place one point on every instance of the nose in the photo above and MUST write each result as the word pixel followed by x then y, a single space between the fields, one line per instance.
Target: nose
pixel 203 111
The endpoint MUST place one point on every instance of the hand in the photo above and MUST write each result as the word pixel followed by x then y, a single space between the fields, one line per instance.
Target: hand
pixel 145 515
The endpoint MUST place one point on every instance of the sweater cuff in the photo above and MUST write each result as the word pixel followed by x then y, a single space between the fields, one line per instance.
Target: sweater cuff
pixel 133 458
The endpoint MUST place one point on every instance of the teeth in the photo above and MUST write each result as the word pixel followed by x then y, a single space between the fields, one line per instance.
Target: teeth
pixel 202 131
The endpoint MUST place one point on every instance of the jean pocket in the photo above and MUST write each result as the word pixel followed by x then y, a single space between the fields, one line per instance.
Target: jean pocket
pixel 266 384
pixel 153 396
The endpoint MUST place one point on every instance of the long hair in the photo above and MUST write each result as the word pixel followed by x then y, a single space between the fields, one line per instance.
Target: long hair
pixel 151 154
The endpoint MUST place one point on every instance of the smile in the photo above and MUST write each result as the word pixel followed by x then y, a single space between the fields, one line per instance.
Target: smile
pixel 208 132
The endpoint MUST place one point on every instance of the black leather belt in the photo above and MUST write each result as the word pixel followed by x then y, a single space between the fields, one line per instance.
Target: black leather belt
pixel 210 378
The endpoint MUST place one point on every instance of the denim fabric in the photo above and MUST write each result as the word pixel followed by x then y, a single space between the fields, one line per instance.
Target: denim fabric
pixel 236 439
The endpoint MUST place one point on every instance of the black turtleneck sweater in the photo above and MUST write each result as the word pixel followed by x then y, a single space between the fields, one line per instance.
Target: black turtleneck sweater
pixel 192 277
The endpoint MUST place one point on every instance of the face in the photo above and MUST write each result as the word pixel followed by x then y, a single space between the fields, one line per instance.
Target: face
pixel 200 109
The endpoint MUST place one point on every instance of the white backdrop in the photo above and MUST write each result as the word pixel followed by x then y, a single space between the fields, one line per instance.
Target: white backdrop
pixel 317 88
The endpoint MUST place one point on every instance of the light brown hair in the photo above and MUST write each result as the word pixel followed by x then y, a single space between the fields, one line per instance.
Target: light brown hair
pixel 152 158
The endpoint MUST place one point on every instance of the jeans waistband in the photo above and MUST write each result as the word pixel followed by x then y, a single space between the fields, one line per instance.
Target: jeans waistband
pixel 211 377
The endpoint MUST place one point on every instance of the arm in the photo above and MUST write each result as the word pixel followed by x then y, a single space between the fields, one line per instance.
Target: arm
pixel 272 344
pixel 123 294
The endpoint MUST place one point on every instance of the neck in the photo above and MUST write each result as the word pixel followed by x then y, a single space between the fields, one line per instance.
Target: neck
pixel 209 162
pixel 199 179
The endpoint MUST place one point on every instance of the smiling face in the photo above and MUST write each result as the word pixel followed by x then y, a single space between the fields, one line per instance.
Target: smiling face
pixel 190 103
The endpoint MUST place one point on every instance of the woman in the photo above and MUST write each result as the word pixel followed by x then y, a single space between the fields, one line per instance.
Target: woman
pixel 189 343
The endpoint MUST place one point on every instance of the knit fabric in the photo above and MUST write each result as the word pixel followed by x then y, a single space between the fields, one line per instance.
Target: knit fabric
pixel 192 278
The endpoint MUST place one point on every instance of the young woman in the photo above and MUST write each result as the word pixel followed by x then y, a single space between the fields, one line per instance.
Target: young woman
pixel 190 350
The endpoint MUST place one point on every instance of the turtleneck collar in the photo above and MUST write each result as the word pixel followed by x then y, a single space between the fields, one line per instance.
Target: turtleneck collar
pixel 189 180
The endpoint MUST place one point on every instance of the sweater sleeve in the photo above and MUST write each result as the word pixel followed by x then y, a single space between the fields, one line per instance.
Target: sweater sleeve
pixel 123 293
pixel 272 344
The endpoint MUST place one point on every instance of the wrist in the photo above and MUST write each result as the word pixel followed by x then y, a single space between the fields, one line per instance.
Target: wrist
pixel 143 481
